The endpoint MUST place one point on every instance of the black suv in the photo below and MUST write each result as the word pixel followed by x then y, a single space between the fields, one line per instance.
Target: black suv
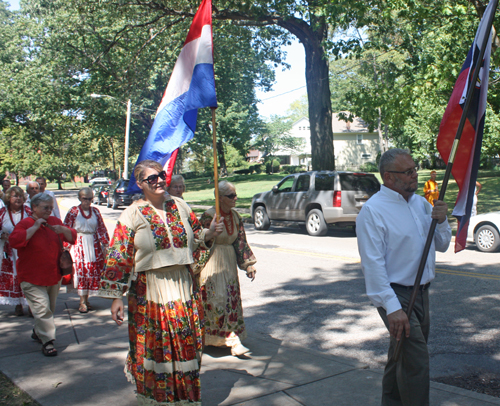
pixel 117 195
pixel 316 198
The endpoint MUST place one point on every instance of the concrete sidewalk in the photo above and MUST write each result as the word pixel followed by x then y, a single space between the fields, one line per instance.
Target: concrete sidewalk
pixel 92 349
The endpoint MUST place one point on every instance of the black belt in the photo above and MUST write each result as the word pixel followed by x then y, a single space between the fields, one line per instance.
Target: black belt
pixel 422 287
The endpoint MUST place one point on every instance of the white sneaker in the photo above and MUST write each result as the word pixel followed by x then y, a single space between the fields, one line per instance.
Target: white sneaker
pixel 239 349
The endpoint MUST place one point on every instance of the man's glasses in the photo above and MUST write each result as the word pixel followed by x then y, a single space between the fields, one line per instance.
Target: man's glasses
pixel 231 196
pixel 47 208
pixel 87 199
pixel 409 172
pixel 153 179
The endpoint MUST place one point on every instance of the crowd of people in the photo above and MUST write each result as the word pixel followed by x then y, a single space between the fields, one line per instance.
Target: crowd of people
pixel 179 273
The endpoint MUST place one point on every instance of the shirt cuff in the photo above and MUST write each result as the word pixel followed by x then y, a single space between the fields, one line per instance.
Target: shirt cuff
pixel 393 305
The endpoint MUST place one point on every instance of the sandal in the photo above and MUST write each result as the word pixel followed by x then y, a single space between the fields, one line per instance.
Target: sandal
pixel 83 308
pixel 49 352
pixel 35 337
pixel 89 307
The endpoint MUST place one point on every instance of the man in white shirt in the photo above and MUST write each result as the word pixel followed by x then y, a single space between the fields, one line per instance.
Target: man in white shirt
pixel 43 184
pixel 392 228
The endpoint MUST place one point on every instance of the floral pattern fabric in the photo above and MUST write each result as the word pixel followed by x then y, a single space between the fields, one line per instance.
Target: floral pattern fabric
pixel 220 286
pixel 165 312
pixel 10 289
pixel 87 252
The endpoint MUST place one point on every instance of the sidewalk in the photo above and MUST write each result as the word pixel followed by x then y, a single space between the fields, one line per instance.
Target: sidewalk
pixel 92 349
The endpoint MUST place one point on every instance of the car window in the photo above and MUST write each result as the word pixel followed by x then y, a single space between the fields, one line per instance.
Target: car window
pixel 286 184
pixel 302 183
pixel 359 183
pixel 324 181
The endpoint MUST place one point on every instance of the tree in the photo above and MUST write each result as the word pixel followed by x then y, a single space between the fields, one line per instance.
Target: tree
pixel 276 137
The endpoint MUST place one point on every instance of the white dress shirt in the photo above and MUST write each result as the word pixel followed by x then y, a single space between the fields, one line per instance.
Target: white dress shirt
pixel 391 237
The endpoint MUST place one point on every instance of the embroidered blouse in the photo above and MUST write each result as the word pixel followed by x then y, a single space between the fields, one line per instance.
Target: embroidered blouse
pixel 143 241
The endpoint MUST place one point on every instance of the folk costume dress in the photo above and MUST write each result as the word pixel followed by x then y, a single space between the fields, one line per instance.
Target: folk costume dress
pixel 220 286
pixel 428 187
pixel 149 256
pixel 87 252
pixel 10 289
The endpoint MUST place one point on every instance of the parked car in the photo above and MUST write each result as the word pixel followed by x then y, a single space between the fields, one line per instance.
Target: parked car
pixel 100 194
pixel 100 181
pixel 484 231
pixel 117 195
pixel 318 198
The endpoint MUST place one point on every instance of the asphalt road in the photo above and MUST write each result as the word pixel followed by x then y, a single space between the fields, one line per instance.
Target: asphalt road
pixel 310 291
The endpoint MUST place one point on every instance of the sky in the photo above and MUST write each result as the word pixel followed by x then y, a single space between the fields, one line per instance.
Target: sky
pixel 290 84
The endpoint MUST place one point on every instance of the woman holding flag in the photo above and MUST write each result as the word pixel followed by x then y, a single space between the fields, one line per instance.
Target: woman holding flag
pixel 149 256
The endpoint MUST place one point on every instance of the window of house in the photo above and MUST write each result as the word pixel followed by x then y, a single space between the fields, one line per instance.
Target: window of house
pixel 366 156
pixel 359 138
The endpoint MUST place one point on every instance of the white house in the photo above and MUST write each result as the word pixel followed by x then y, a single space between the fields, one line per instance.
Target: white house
pixel 353 144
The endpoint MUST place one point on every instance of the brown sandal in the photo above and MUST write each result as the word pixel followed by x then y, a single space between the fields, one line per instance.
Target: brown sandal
pixel 49 352
pixel 35 337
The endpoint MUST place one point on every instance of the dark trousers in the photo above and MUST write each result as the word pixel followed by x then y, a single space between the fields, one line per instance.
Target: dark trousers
pixel 406 382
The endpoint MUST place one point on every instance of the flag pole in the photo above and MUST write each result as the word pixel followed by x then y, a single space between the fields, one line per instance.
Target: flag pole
pixel 449 166
pixel 216 166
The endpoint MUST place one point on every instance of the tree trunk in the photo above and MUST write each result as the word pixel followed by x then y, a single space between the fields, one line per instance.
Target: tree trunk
pixel 318 90
pixel 222 158
pixel 59 184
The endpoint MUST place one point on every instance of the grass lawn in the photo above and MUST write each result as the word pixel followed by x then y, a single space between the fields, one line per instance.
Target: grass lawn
pixel 200 192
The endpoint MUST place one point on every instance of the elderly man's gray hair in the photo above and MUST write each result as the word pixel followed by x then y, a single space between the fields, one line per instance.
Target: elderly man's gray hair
pixel 30 183
pixel 41 198
pixel 387 159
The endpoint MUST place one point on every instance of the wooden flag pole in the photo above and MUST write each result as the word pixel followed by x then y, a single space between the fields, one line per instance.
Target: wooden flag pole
pixel 451 159
pixel 216 167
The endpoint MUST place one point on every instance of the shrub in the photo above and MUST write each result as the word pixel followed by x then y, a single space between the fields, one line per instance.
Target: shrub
pixel 292 169
pixel 275 167
pixel 242 172
pixel 369 167
pixel 257 168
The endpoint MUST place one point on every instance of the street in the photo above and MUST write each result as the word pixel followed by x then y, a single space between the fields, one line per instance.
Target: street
pixel 310 291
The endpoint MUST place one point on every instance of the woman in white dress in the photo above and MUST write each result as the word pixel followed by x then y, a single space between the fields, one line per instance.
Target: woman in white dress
pixel 88 252
pixel 220 286
pixel 10 214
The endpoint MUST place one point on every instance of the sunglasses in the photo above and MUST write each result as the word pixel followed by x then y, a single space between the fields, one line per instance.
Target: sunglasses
pixel 88 199
pixel 231 196
pixel 153 179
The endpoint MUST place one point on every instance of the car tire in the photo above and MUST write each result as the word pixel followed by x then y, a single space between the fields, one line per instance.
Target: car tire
pixel 315 223
pixel 487 239
pixel 115 205
pixel 261 219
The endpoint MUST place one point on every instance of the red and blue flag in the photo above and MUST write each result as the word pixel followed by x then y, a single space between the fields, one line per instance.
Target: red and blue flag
pixel 466 163
pixel 191 87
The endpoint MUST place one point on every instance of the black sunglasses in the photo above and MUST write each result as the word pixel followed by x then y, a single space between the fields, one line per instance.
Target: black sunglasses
pixel 231 196
pixel 153 179
pixel 88 199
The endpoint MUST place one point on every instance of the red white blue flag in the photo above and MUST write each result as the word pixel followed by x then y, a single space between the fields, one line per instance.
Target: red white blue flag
pixel 466 163
pixel 191 87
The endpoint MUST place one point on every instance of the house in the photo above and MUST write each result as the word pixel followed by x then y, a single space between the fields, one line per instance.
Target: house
pixel 254 156
pixel 353 144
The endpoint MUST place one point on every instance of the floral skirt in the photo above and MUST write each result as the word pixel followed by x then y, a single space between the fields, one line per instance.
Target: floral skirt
pixel 166 337
pixel 220 289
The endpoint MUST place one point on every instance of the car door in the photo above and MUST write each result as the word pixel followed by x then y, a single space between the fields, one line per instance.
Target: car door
pixel 299 198
pixel 280 199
